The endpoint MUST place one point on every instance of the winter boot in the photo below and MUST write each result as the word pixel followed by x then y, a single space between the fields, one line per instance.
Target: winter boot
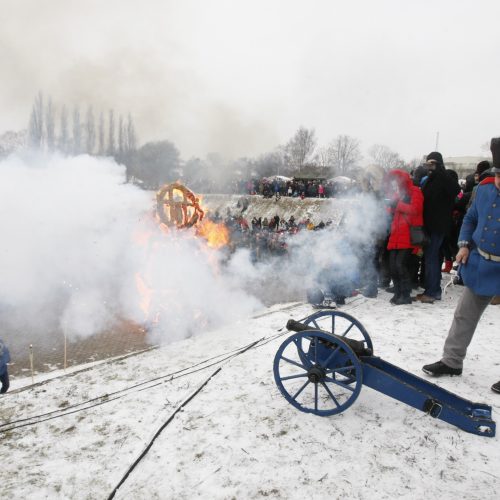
pixel 402 300
pixel 439 368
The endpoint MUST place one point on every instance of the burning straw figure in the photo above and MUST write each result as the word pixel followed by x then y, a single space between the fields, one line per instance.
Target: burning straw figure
pixel 177 206
pixel 4 374
pixel 479 254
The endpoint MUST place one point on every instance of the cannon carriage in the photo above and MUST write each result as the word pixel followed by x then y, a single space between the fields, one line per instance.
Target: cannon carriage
pixel 323 365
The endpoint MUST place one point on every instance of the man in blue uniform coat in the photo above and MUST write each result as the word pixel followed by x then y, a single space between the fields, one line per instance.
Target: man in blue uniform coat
pixel 479 254
pixel 4 374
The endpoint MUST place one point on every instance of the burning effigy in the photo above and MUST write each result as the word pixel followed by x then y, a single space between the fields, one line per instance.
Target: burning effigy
pixel 177 206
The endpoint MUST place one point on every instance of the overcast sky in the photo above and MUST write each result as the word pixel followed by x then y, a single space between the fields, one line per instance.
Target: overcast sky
pixel 240 76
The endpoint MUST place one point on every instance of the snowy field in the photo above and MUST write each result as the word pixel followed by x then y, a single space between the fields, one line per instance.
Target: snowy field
pixel 238 437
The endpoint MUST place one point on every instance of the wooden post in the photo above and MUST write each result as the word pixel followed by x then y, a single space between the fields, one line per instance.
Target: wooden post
pixel 65 351
pixel 31 363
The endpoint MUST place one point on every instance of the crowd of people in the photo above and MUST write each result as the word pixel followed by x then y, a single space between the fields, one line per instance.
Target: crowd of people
pixel 433 223
pixel 264 237
pixel 426 210
pixel 277 186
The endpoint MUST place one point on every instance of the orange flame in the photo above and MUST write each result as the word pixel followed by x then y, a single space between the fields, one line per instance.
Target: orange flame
pixel 146 294
pixel 217 235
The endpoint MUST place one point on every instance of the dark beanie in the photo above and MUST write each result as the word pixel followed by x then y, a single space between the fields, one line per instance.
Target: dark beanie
pixel 436 156
pixel 482 166
pixel 495 151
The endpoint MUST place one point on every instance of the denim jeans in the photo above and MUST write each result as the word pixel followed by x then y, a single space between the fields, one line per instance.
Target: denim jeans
pixel 433 266
pixel 4 379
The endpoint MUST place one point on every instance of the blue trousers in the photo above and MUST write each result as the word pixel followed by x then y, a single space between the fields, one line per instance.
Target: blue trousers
pixel 4 379
pixel 433 266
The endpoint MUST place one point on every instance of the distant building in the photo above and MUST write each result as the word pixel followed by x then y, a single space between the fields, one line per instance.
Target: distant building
pixel 464 165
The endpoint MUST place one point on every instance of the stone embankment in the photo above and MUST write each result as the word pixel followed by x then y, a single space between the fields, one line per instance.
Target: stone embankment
pixel 250 206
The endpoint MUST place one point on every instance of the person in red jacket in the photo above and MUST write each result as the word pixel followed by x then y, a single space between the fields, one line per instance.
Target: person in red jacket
pixel 406 201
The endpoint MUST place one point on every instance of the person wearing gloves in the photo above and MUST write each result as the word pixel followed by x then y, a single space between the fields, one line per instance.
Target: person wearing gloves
pixel 479 256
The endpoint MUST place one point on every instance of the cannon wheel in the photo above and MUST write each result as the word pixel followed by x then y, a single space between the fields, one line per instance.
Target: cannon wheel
pixel 314 382
pixel 340 324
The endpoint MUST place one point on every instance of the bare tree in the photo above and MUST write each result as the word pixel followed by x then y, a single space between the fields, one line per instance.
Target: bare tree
pixel 64 133
pixel 111 133
pixel 50 125
pixel 157 163
pixel 131 139
pixel 90 130
pixel 300 147
pixel 345 153
pixel 272 163
pixel 414 163
pixel 324 156
pixel 35 128
pixel 101 146
pixel 121 137
pixel 384 157
pixel 77 131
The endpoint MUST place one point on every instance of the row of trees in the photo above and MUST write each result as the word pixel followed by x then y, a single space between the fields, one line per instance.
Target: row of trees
pixel 101 136
pixel 154 163
pixel 342 154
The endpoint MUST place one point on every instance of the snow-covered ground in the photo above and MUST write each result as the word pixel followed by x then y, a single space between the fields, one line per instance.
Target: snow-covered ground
pixel 238 437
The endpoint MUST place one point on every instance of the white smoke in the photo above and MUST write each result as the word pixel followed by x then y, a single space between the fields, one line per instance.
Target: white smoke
pixel 80 251
pixel 71 256
pixel 340 253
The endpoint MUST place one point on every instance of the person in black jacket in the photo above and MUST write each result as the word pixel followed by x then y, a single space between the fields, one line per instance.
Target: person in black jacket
pixel 439 192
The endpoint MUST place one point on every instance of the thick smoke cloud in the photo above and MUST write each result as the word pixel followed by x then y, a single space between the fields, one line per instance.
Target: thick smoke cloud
pixel 81 250
pixel 78 242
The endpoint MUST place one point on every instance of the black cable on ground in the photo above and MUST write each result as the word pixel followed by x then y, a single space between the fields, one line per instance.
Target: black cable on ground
pixel 100 401
pixel 159 431
pixel 107 395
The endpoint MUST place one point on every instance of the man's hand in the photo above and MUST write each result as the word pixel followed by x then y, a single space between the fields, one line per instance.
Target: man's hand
pixel 462 255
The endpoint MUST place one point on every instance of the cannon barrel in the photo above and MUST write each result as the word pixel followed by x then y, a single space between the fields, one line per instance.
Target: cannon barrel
pixel 357 346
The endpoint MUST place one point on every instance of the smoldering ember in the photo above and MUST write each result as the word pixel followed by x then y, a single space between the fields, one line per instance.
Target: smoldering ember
pixel 249 250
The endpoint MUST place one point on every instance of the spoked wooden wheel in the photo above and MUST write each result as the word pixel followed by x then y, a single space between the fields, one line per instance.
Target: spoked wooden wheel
pixel 318 373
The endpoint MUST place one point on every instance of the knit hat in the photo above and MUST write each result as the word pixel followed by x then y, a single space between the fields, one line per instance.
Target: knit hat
pixel 438 157
pixel 495 152
pixel 482 166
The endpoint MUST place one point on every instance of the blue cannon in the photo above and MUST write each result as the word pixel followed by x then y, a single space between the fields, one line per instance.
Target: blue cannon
pixel 321 368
